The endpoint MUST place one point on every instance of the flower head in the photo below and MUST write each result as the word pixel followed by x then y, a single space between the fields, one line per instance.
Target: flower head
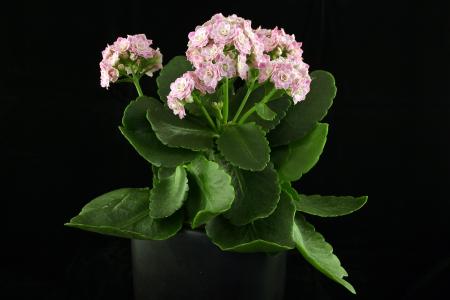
pixel 182 87
pixel 282 63
pixel 224 37
pixel 129 56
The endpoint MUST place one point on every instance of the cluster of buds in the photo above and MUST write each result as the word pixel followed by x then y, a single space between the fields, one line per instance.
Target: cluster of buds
pixel 129 57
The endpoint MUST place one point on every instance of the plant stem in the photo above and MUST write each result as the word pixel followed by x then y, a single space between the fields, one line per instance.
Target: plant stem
pixel 137 85
pixel 205 112
pixel 244 101
pixel 225 101
pixel 253 109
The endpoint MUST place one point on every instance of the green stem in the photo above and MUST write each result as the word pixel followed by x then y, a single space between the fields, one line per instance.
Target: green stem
pixel 225 101
pixel 244 101
pixel 253 109
pixel 205 112
pixel 137 85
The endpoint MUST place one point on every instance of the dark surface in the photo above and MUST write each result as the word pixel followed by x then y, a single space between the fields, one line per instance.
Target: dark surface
pixel 389 138
pixel 189 266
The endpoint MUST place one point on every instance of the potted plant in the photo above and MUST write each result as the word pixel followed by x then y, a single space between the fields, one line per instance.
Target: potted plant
pixel 236 122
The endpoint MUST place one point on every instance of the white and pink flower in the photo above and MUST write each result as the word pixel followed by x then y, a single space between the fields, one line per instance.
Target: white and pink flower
pixel 209 74
pixel 129 56
pixel 182 87
pixel 140 45
pixel 199 37
pixel 176 106
pixel 227 66
pixel 223 31
pixel 227 47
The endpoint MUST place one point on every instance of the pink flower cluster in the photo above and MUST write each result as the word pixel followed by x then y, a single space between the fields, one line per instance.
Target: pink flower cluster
pixel 228 44
pixel 283 63
pixel 129 56
pixel 223 47
pixel 227 47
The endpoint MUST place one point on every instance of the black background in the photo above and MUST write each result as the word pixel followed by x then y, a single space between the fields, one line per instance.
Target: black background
pixel 389 139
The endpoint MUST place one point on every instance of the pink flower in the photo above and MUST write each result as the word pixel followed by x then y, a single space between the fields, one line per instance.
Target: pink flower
pixel 216 18
pixel 282 74
pixel 140 45
pixel 265 67
pixel 104 78
pixel 176 106
pixel 108 52
pixel 227 66
pixel 210 52
pixel 157 64
pixel 121 45
pixel 201 87
pixel 223 31
pixel 199 37
pixel 242 66
pixel 194 56
pixel 209 75
pixel 107 74
pixel 301 89
pixel 241 42
pixel 268 38
pixel 182 87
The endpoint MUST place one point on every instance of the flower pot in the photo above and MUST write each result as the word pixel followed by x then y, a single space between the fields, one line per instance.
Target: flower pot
pixel 190 266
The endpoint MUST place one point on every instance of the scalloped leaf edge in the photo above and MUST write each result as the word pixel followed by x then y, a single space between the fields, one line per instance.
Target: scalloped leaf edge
pixel 266 158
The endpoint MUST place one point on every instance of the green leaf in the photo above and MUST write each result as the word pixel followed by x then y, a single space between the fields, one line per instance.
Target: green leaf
pixel 125 213
pixel 174 132
pixel 265 112
pixel 329 206
pixel 271 234
pixel 168 195
pixel 279 104
pixel 318 252
pixel 245 146
pixel 211 192
pixel 297 158
pixel 139 133
pixel 303 116
pixel 257 195
pixel 175 68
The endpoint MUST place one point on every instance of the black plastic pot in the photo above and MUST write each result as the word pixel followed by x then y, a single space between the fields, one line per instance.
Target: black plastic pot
pixel 189 266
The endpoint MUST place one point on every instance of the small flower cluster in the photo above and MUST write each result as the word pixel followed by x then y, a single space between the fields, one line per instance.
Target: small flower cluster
pixel 129 56
pixel 283 63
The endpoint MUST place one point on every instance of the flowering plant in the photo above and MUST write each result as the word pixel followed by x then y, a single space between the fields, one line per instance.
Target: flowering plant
pixel 237 121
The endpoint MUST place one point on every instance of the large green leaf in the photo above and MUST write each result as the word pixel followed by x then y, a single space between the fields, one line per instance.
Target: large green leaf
pixel 303 116
pixel 318 252
pixel 125 213
pixel 329 206
pixel 257 195
pixel 245 146
pixel 271 234
pixel 297 158
pixel 169 193
pixel 210 191
pixel 175 132
pixel 175 68
pixel 139 133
